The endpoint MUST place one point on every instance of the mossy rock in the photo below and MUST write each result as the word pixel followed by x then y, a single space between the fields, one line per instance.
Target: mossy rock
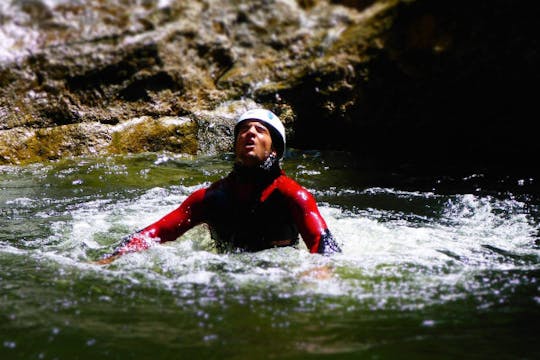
pixel 146 134
pixel 25 145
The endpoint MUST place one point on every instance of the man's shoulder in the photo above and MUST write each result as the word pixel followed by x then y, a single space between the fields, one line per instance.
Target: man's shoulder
pixel 285 182
pixel 290 188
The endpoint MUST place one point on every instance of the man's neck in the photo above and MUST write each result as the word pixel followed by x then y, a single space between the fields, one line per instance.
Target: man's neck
pixel 262 173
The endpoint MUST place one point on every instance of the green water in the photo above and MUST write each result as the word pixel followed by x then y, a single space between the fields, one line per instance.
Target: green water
pixel 428 271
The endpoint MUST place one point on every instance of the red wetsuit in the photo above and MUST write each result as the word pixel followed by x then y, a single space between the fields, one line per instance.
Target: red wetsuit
pixel 246 211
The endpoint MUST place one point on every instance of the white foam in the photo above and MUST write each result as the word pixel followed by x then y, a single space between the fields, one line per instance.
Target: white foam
pixel 388 260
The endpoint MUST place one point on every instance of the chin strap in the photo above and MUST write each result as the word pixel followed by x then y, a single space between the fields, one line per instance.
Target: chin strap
pixel 268 170
pixel 270 162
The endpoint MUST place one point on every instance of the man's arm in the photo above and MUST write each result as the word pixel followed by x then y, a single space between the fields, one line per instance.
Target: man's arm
pixel 169 228
pixel 309 221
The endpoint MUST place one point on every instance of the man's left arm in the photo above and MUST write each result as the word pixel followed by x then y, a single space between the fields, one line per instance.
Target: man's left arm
pixel 311 224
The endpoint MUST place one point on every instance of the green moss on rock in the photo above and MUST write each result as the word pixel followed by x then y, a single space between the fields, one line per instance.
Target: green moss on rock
pixel 147 134
pixel 25 145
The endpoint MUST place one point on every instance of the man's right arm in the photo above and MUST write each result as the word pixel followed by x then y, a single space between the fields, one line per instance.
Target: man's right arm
pixel 189 214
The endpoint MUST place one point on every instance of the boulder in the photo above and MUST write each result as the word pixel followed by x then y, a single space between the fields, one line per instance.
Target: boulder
pixel 418 84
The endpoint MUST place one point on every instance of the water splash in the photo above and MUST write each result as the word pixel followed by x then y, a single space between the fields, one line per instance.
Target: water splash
pixel 401 249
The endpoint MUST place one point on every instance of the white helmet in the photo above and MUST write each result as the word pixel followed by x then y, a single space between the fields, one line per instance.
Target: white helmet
pixel 277 130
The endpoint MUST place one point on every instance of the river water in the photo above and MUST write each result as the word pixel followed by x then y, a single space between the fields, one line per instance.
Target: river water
pixel 432 267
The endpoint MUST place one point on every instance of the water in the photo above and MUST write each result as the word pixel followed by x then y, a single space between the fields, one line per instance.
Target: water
pixel 432 267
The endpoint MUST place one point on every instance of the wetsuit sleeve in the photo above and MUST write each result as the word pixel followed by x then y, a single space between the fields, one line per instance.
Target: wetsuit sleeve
pixel 189 214
pixel 311 224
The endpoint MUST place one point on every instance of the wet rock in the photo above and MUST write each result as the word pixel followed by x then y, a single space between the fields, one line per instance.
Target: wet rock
pixel 174 134
pixel 144 134
pixel 400 83
pixel 357 4
pixel 26 145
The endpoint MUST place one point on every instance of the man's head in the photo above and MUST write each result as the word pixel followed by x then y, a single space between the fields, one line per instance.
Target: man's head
pixel 258 133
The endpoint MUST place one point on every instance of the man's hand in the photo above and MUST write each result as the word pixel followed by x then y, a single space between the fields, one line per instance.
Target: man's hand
pixel 319 273
pixel 106 260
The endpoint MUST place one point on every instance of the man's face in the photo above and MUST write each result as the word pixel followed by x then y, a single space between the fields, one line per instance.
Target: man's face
pixel 253 143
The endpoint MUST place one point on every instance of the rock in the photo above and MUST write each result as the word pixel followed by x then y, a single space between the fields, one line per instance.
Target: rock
pixel 174 134
pixel 26 145
pixel 413 83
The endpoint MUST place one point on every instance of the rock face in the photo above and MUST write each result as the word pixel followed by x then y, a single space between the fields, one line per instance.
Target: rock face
pixel 417 83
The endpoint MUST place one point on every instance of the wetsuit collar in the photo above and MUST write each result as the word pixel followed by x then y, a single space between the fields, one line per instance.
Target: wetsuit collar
pixel 266 172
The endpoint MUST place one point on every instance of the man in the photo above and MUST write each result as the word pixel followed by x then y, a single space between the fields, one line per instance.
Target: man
pixel 255 207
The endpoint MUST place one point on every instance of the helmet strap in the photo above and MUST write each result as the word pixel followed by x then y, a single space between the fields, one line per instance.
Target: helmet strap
pixel 270 161
pixel 268 170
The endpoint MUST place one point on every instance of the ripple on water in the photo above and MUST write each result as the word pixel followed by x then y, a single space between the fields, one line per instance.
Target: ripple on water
pixel 401 249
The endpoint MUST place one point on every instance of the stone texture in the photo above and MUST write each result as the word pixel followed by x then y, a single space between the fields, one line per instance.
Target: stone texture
pixel 417 84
